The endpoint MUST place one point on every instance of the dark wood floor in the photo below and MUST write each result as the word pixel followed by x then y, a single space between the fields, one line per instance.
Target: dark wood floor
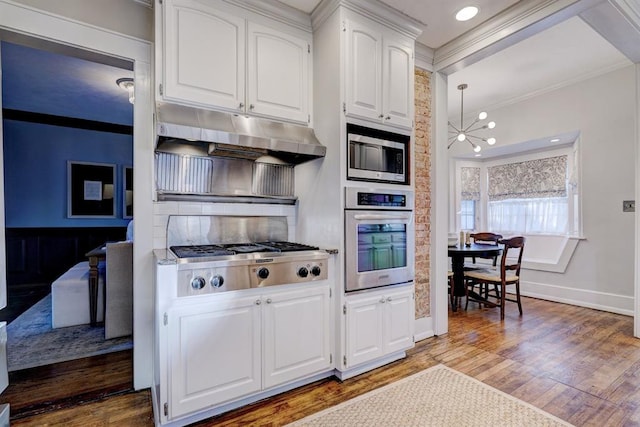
pixel 579 364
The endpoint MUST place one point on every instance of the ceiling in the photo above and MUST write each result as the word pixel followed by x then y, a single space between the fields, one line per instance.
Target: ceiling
pixel 42 81
pixel 567 52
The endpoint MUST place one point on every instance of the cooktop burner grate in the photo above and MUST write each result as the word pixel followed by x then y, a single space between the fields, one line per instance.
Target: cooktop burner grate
pixel 237 248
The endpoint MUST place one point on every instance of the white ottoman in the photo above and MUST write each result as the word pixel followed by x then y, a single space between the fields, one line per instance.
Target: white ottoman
pixel 70 297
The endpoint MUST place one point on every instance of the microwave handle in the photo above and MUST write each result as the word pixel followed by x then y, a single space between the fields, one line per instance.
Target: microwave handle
pixel 380 216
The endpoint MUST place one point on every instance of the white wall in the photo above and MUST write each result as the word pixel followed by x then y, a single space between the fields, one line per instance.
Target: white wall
pixel 601 271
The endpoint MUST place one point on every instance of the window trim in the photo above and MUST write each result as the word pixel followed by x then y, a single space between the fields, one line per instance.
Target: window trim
pixel 572 151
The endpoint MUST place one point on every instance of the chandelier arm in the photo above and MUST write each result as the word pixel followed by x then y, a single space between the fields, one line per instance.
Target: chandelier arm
pixel 471 124
pixel 475 129
pixel 451 143
pixel 454 127
pixel 476 137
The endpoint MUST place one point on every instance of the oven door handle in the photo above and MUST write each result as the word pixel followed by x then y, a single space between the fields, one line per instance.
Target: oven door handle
pixel 381 217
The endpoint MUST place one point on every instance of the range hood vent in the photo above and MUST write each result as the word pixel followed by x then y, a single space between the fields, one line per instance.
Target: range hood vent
pixel 238 136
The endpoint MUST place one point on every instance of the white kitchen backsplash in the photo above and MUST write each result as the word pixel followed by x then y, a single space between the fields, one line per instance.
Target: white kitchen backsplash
pixel 162 211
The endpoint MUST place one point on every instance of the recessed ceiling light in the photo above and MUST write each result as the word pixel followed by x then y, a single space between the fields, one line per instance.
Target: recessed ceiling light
pixel 466 13
pixel 555 140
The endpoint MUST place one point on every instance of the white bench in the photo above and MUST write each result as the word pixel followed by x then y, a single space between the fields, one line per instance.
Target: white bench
pixel 70 297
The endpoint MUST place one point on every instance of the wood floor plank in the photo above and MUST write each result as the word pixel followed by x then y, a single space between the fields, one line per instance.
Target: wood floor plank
pixel 579 364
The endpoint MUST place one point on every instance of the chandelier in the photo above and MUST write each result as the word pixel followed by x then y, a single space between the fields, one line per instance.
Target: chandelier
pixel 466 133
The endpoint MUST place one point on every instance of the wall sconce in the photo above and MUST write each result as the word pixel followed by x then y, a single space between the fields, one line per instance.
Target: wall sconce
pixel 126 83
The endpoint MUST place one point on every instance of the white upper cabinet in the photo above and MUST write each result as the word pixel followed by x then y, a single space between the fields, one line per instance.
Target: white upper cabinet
pixel 223 60
pixel 204 55
pixel 379 73
pixel 278 74
pixel 397 78
pixel 363 71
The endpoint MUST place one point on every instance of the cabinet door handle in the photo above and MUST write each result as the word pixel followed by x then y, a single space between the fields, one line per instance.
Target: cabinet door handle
pixel 251 107
pixel 241 106
pixel 258 302
pixel 388 117
pixel 382 301
pixel 389 299
pixel 269 301
pixel 381 116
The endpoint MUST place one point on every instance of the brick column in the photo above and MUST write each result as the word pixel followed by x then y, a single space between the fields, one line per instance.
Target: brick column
pixel 422 153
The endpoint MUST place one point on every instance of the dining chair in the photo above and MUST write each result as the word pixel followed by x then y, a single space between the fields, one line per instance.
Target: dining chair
pixel 450 288
pixel 508 274
pixel 485 238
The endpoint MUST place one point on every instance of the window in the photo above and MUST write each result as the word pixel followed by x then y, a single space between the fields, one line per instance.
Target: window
pixel 468 215
pixel 541 215
pixel 469 196
pixel 529 197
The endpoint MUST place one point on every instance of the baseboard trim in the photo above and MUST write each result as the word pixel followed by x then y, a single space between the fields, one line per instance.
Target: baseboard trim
pixel 613 303
pixel 423 329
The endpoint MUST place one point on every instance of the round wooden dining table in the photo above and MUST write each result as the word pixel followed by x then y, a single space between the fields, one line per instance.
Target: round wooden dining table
pixel 457 254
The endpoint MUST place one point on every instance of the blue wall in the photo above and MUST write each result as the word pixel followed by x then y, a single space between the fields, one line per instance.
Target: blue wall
pixel 35 172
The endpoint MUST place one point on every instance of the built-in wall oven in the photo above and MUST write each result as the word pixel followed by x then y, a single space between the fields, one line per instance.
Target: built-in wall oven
pixel 379 238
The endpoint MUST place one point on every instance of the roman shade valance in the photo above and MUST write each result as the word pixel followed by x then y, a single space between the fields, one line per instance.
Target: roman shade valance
pixel 540 178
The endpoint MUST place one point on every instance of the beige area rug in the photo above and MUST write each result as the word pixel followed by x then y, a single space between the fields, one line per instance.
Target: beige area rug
pixel 438 396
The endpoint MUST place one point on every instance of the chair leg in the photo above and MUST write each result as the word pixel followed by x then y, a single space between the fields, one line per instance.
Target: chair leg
pixel 502 294
pixel 518 297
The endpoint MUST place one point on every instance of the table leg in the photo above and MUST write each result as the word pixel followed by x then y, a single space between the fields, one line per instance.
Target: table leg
pixel 93 290
pixel 457 266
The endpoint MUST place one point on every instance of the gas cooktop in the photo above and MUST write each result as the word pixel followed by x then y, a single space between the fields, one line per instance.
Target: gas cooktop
pixel 197 251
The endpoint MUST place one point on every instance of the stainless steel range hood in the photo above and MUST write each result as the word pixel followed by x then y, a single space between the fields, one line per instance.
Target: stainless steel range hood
pixel 237 135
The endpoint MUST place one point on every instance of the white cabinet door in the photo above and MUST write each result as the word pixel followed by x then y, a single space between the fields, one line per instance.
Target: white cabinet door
pixel 296 334
pixel 214 352
pixel 379 67
pixel 398 321
pixel 397 80
pixel 364 329
pixel 379 324
pixel 278 67
pixel 204 55
pixel 363 65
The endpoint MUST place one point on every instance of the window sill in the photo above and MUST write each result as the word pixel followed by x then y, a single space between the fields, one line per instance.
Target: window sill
pixel 549 253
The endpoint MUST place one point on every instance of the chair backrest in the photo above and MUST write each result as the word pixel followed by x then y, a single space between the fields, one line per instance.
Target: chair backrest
pixel 486 238
pixel 507 262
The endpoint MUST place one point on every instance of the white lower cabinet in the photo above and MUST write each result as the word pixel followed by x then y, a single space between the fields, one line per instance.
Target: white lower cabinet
pixel 378 324
pixel 222 348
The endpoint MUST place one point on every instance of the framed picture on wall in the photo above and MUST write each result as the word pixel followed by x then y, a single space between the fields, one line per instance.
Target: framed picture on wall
pixel 90 192
pixel 127 192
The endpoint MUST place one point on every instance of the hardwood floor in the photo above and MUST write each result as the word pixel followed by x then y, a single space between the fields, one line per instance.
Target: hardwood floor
pixel 579 364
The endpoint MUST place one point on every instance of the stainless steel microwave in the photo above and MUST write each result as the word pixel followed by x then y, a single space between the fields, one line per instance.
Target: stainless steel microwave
pixel 377 156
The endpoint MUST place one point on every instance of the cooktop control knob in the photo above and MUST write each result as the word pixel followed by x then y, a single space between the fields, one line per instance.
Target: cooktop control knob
pixel 198 283
pixel 303 272
pixel 315 270
pixel 217 281
pixel 263 273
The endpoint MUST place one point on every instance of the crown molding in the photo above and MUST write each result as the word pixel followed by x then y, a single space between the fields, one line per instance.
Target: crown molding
pixel 514 24
pixel 618 21
pixel 372 9
pixel 276 11
pixel 424 57
pixel 147 3
pixel 630 9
